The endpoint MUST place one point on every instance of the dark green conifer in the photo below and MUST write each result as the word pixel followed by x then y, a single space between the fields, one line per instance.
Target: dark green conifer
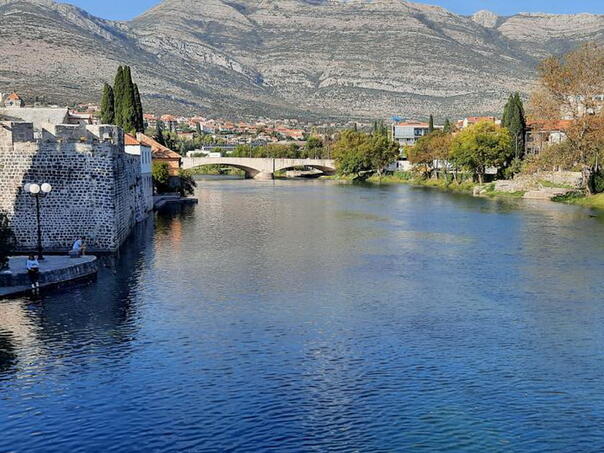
pixel 118 94
pixel 107 105
pixel 515 121
pixel 140 123
pixel 159 134
pixel 431 124
pixel 128 103
pixel 448 128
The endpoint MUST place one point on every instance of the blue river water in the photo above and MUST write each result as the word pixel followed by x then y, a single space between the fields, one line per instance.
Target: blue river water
pixel 312 316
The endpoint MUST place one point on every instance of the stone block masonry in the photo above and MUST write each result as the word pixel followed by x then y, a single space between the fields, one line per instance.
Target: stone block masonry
pixel 97 189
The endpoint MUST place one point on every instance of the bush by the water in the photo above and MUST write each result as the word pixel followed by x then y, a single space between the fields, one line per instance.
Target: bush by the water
pixel 7 240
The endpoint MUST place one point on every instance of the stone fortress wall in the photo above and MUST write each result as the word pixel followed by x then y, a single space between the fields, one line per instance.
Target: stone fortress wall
pixel 97 188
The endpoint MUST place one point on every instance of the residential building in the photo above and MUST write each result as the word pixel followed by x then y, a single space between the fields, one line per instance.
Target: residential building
pixel 469 121
pixel 542 134
pixel 170 122
pixel 150 121
pixel 137 148
pixel 409 132
pixel 12 100
pixel 160 153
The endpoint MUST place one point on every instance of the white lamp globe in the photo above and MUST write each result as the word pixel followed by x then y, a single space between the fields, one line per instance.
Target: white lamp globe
pixel 46 188
pixel 34 188
pixel 26 187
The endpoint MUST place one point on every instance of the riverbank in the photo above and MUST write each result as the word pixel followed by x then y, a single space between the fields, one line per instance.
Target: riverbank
pixel 579 199
pixel 548 190
pixel 54 271
pixel 466 186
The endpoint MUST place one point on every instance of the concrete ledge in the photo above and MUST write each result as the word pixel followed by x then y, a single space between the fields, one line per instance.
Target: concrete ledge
pixel 54 270
pixel 159 201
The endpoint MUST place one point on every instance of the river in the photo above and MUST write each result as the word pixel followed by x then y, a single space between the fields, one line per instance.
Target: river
pixel 313 316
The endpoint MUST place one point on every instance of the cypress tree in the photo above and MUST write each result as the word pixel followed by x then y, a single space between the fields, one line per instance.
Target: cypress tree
pixel 431 124
pixel 140 123
pixel 118 94
pixel 107 105
pixel 515 121
pixel 159 134
pixel 128 103
pixel 447 129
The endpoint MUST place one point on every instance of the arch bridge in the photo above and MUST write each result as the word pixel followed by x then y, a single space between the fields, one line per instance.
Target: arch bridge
pixel 260 168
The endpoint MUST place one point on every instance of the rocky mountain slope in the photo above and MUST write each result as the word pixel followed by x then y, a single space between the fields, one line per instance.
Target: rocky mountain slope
pixel 296 58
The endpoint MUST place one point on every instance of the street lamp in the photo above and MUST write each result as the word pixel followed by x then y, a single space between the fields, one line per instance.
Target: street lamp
pixel 38 191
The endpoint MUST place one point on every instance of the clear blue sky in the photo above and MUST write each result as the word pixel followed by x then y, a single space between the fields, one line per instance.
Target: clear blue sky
pixel 126 9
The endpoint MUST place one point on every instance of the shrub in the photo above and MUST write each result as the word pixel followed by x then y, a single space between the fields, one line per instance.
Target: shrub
pixel 8 241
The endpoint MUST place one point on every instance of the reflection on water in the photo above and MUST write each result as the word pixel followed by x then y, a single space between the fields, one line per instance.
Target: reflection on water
pixel 317 316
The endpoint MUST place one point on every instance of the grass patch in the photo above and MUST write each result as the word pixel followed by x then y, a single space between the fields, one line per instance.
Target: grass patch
pixel 409 178
pixel 579 198
pixel 551 185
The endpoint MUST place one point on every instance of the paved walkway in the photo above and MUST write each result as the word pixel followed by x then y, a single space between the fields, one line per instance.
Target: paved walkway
pixel 54 270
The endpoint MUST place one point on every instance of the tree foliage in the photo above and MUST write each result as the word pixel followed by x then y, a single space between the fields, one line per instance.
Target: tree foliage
pixel 161 177
pixel 359 154
pixel 571 86
pixel 481 146
pixel 187 183
pixel 430 151
pixel 107 105
pixel 121 105
pixel 514 120
pixel 8 241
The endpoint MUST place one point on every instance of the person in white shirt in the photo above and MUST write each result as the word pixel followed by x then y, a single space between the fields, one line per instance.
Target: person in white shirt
pixel 33 271
pixel 79 247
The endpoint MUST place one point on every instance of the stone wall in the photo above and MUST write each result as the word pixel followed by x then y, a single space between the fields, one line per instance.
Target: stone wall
pixel 97 187
pixel 540 180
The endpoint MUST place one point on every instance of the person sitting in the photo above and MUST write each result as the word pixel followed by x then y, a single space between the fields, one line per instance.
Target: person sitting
pixel 33 271
pixel 79 248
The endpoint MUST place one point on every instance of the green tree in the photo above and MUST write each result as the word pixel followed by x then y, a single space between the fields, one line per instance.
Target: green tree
pixel 481 146
pixel 118 94
pixel 7 240
pixel 379 128
pixel 128 103
pixel 161 177
pixel 448 127
pixel 107 105
pixel 431 151
pixel 313 148
pixel 198 129
pixel 358 154
pixel 138 105
pixel 514 120
pixel 187 183
pixel 159 133
pixel 431 124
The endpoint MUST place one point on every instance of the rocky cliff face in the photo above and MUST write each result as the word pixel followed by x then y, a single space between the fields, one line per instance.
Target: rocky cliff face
pixel 329 59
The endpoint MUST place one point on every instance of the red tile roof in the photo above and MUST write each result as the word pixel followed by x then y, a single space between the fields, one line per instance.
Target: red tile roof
pixel 13 97
pixel 157 150
pixel 130 140
pixel 550 125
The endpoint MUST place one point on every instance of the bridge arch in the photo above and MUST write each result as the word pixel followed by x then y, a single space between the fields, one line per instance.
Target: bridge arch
pixel 260 168
pixel 250 173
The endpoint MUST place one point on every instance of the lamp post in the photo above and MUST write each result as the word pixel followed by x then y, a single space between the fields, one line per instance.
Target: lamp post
pixel 38 191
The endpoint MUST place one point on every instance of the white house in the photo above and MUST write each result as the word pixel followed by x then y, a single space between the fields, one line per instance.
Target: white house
pixel 409 132
pixel 137 148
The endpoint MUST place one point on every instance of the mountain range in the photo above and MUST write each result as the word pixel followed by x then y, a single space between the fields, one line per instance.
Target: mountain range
pixel 327 59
